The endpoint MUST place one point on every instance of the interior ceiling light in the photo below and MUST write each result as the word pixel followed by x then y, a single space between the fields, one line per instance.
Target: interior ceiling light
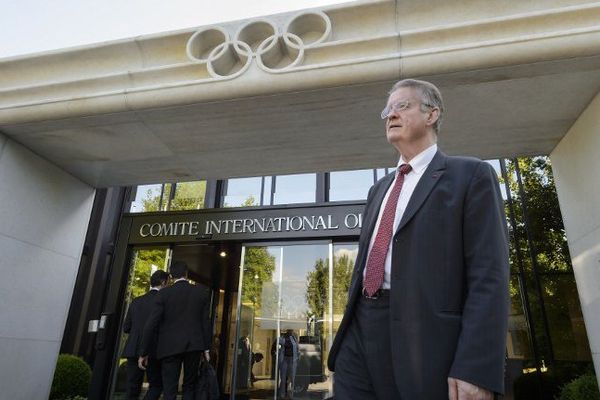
pixel 223 254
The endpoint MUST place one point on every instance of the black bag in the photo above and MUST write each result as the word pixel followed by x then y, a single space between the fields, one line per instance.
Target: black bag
pixel 208 386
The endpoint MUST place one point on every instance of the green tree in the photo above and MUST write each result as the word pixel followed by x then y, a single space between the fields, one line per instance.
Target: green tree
pixel 151 201
pixel 188 196
pixel 342 276
pixel 540 237
pixel 250 201
pixel 145 262
pixel 317 285
pixel 259 266
pixel 543 211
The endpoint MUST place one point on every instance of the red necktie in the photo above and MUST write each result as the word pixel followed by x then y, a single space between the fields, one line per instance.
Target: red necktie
pixel 376 262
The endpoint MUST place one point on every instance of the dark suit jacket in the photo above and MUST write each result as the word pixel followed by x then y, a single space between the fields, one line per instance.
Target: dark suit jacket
pixel 137 315
pixel 449 280
pixel 181 319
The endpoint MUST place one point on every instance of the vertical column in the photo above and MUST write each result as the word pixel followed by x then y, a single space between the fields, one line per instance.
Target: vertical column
pixel 576 167
pixel 44 213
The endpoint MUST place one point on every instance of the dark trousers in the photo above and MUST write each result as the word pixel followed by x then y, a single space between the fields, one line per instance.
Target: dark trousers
pixel 171 367
pixel 286 377
pixel 363 367
pixel 135 378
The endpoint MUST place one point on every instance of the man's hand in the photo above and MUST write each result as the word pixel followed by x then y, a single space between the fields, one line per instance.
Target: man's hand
pixel 207 355
pixel 142 362
pixel 461 390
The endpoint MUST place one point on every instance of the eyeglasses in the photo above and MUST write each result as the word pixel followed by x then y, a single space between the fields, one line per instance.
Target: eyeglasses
pixel 397 107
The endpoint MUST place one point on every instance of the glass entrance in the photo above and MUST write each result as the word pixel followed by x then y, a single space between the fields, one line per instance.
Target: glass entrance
pixel 212 265
pixel 289 306
pixel 145 261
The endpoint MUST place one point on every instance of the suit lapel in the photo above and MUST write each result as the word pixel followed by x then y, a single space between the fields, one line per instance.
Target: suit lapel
pixel 430 178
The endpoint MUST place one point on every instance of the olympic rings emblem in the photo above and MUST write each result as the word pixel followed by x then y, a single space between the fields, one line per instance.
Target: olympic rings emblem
pixel 273 50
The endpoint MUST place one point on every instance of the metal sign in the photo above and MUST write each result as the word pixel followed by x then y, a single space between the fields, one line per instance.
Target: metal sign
pixel 248 224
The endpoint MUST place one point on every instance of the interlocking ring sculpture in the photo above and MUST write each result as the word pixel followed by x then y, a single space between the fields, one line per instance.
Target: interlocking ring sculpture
pixel 274 51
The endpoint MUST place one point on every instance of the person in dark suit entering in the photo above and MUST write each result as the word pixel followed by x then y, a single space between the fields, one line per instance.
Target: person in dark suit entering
pixel 137 315
pixel 427 309
pixel 181 318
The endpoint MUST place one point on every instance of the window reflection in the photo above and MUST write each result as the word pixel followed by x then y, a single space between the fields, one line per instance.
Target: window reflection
pixel 145 263
pixel 188 196
pixel 350 185
pixel 344 257
pixel 381 172
pixel 291 189
pixel 540 263
pixel 284 328
pixel 267 191
pixel 567 330
pixel 242 192
pixel 147 198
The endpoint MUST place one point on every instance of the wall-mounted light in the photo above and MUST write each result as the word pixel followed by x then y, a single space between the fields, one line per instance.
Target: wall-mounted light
pixel 223 254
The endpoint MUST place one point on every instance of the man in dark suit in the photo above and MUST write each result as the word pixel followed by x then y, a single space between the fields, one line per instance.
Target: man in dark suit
pixel 136 318
pixel 427 309
pixel 181 318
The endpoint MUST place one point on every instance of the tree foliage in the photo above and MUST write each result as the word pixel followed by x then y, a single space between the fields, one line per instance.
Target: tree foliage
pixel 188 196
pixel 317 287
pixel 146 262
pixel 318 284
pixel 259 266
pixel 546 227
pixel 539 235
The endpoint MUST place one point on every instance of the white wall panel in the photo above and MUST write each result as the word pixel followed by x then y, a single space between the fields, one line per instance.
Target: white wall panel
pixel 44 213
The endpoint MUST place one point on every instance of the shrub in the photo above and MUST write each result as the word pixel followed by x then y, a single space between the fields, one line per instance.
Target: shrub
pixel 584 387
pixel 71 378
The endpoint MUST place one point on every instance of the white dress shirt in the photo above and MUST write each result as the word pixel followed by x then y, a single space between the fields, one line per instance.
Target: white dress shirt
pixel 419 164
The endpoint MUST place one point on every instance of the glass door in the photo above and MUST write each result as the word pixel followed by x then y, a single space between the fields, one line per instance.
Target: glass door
pixel 144 263
pixel 286 311
pixel 212 265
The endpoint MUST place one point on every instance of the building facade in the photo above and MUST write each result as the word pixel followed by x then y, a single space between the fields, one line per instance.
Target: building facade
pixel 278 252
pixel 281 98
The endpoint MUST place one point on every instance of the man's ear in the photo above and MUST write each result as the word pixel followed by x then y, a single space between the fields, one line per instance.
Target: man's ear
pixel 434 115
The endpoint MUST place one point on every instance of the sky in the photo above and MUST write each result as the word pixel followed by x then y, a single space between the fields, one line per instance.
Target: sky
pixel 32 26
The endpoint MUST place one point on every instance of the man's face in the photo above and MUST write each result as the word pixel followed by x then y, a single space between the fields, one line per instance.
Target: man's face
pixel 408 125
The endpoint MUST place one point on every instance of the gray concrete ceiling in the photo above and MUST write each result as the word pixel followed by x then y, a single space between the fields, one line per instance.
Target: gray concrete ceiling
pixel 501 112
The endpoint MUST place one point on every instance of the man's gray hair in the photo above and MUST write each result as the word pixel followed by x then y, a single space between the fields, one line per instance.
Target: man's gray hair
pixel 430 96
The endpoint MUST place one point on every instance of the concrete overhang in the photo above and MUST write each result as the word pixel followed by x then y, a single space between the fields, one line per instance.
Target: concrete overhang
pixel 302 91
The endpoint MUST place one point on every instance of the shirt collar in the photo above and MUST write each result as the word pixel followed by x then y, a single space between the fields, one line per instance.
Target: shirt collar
pixel 180 279
pixel 154 288
pixel 421 160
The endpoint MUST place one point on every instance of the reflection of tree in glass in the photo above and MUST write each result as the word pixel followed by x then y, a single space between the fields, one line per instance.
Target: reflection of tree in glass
pixel 343 266
pixel 188 196
pixel 259 266
pixel 140 277
pixel 318 282
pixel 316 288
pixel 548 240
pixel 544 217
pixel 249 202
pixel 151 201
